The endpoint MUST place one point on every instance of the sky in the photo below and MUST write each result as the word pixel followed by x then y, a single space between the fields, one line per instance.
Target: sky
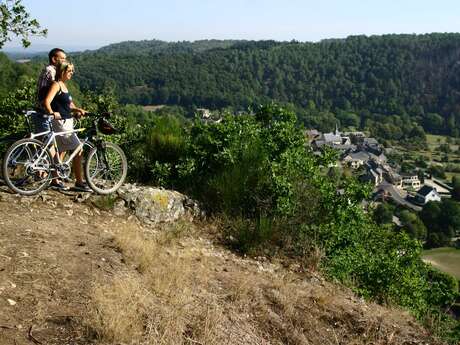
pixel 89 24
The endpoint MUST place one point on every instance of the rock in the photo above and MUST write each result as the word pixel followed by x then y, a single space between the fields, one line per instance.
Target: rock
pixel 119 208
pixel 81 197
pixel 88 212
pixel 154 205
pixel 11 302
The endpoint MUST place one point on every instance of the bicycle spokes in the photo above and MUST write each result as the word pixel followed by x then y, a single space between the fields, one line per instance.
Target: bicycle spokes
pixel 27 167
pixel 106 168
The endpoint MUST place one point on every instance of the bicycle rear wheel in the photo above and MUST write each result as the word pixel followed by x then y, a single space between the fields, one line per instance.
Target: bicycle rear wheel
pixel 106 168
pixel 27 167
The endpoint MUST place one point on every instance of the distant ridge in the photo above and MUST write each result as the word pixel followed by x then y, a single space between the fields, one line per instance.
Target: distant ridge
pixel 157 46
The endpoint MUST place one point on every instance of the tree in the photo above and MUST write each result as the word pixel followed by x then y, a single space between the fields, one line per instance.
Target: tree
pixel 15 20
pixel 413 225
pixel 442 220
pixel 456 188
pixel 383 213
pixel 450 220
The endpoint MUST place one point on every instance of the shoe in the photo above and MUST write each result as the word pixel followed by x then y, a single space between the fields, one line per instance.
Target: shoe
pixel 58 185
pixel 82 187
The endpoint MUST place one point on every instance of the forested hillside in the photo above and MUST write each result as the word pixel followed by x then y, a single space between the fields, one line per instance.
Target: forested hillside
pixel 13 74
pixel 396 86
pixel 417 75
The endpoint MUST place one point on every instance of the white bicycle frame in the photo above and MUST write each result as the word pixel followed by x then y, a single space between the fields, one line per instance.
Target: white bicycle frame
pixel 51 140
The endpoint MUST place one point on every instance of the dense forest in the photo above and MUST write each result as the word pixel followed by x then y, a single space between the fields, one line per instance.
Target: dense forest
pixel 397 86
pixel 355 79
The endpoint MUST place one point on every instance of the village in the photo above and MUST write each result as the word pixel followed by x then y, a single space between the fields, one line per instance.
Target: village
pixel 366 158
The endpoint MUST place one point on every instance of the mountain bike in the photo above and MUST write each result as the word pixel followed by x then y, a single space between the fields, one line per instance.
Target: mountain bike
pixel 28 166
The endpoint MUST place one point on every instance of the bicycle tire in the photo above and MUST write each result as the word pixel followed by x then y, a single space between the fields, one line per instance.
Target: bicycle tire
pixel 19 156
pixel 111 168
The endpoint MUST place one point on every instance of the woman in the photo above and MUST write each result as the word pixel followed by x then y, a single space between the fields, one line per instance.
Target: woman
pixel 58 102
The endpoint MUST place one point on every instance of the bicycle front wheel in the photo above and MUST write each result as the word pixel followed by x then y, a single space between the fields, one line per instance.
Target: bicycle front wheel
pixel 106 168
pixel 27 167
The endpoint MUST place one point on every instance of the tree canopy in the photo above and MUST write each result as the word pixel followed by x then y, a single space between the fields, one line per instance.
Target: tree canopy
pixel 16 21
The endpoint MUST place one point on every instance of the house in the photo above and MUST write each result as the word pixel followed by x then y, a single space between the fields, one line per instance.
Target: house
pixel 355 135
pixel 442 189
pixel 426 194
pixel 394 178
pixel 370 142
pixel 378 158
pixel 411 181
pixel 312 132
pixel 374 176
pixel 204 113
pixel 356 159
pixel 331 138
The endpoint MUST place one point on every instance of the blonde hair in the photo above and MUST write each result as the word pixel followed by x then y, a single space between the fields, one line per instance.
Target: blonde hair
pixel 61 68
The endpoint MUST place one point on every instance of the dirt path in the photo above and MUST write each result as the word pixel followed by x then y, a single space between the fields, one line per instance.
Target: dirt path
pixel 63 261
pixel 51 250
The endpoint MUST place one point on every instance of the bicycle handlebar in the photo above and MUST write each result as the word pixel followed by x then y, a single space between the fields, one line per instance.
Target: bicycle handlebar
pixel 104 114
pixel 50 117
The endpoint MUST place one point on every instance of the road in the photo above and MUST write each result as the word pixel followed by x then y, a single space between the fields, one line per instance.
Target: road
pixel 398 196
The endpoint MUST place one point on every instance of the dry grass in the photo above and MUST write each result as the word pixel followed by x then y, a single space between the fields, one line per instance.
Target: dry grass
pixel 179 290
pixel 157 295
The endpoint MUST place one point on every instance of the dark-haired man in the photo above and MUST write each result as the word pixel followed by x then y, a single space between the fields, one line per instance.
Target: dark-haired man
pixel 48 75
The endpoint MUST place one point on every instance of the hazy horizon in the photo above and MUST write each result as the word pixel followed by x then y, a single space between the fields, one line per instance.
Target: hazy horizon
pixel 44 48
pixel 89 24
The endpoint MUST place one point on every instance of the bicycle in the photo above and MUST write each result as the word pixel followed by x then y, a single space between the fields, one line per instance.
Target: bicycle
pixel 8 140
pixel 11 138
pixel 28 166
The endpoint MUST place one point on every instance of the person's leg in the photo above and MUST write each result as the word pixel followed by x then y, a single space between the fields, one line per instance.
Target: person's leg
pixel 62 155
pixel 77 165
pixel 42 125
pixel 78 172
pixel 77 168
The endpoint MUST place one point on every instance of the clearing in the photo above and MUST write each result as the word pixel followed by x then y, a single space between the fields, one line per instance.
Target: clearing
pixel 447 259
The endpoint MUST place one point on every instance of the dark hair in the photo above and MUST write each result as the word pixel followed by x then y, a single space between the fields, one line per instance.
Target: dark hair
pixel 53 53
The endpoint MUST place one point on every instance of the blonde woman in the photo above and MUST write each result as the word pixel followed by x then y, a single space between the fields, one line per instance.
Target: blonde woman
pixel 58 102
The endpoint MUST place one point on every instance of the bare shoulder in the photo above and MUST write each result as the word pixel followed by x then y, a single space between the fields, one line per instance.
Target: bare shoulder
pixel 54 87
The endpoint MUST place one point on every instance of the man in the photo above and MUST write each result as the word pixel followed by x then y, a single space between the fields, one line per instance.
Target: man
pixel 48 75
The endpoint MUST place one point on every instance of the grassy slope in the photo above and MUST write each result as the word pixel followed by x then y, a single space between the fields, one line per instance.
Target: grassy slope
pixel 446 259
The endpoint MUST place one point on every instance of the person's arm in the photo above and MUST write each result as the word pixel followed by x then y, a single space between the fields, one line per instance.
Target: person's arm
pixel 77 111
pixel 54 88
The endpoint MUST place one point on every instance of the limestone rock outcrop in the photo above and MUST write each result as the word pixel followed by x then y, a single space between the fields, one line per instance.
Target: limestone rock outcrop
pixel 155 205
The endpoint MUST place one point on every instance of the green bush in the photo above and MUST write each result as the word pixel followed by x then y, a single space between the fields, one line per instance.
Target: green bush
pixel 154 149
pixel 12 106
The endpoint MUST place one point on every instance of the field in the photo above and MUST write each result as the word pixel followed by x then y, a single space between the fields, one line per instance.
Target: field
pixel 433 156
pixel 446 259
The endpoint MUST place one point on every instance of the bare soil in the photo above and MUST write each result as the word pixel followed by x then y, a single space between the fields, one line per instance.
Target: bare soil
pixel 51 251
pixel 74 274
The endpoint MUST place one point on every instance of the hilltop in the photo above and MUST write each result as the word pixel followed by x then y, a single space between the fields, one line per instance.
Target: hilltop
pixel 74 273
